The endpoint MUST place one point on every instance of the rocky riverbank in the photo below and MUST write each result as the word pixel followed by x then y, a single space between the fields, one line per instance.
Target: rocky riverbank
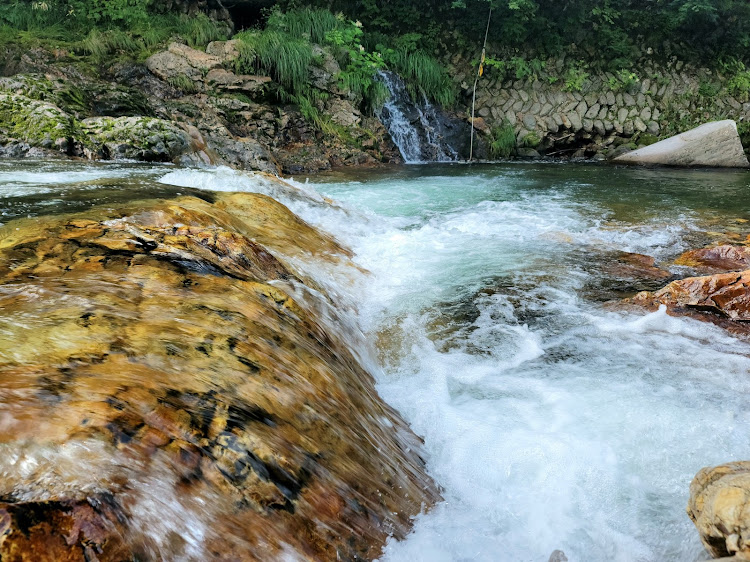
pixel 190 106
pixel 182 105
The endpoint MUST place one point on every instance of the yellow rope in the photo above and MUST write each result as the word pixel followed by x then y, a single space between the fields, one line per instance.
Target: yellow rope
pixel 480 71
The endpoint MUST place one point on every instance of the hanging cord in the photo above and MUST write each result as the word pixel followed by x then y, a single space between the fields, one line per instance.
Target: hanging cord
pixel 480 70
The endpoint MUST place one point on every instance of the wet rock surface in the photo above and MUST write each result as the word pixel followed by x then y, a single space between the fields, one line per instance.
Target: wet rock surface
pixel 169 390
pixel 717 258
pixel 719 506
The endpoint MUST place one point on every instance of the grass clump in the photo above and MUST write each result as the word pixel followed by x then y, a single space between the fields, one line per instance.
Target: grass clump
pixel 305 23
pixel 423 74
pixel 502 140
pixel 184 83
pixel 101 29
pixel 285 59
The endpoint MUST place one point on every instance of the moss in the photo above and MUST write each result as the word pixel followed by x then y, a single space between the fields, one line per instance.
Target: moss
pixel 531 140
pixel 68 97
pixel 135 137
pixel 645 139
pixel 36 122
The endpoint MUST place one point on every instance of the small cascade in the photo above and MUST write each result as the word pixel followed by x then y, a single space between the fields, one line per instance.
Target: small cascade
pixel 421 131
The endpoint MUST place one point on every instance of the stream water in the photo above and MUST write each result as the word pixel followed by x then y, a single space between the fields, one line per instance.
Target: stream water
pixel 550 419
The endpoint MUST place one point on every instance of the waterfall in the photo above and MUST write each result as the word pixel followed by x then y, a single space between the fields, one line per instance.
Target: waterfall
pixel 421 131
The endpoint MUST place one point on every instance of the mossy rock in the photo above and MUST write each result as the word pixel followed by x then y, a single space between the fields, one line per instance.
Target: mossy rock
pixel 141 138
pixel 38 123
pixel 61 93
pixel 177 368
pixel 531 140
pixel 645 139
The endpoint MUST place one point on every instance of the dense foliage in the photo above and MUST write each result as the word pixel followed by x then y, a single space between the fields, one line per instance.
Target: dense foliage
pixel 100 28
pixel 609 30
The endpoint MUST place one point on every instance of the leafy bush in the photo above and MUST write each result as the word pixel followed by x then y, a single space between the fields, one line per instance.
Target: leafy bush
pixel 516 67
pixel 739 86
pixel 575 77
pixel 622 80
pixel 359 66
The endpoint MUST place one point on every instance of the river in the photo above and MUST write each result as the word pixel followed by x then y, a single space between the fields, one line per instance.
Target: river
pixel 551 419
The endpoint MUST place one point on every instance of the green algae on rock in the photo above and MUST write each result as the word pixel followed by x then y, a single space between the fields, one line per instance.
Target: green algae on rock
pixel 167 396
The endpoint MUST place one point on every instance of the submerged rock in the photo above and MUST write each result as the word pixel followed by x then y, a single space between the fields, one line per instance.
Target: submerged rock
pixel 715 144
pixel 719 506
pixel 172 389
pixel 724 258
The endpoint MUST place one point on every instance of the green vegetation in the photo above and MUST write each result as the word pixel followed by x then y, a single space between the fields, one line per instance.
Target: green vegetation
pixel 623 80
pixel 531 140
pixel 183 83
pixel 575 78
pixel 286 59
pixel 100 28
pixel 423 74
pixel 284 50
pixel 609 32
pixel 516 67
pixel 502 141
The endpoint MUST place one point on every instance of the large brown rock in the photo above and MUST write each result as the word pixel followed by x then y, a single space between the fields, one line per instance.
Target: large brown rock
pixel 719 506
pixel 168 391
pixel 715 144
pixel 725 294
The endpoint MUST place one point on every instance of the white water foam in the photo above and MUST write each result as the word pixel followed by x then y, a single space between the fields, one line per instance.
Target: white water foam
pixel 548 421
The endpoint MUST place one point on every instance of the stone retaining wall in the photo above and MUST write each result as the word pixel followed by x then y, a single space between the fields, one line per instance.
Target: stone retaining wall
pixel 551 119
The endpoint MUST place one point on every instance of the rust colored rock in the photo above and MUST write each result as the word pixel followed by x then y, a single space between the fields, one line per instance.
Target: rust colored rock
pixel 168 390
pixel 719 506
pixel 722 258
pixel 725 294
pixel 635 266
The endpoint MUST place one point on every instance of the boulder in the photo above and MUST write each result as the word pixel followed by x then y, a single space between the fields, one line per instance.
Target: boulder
pixel 37 123
pixel 719 506
pixel 343 113
pixel 722 299
pixel 715 144
pixel 182 61
pixel 139 138
pixel 227 51
pixel 177 390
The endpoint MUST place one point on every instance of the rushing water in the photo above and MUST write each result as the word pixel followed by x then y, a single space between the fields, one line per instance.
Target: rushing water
pixel 551 420
pixel 418 129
